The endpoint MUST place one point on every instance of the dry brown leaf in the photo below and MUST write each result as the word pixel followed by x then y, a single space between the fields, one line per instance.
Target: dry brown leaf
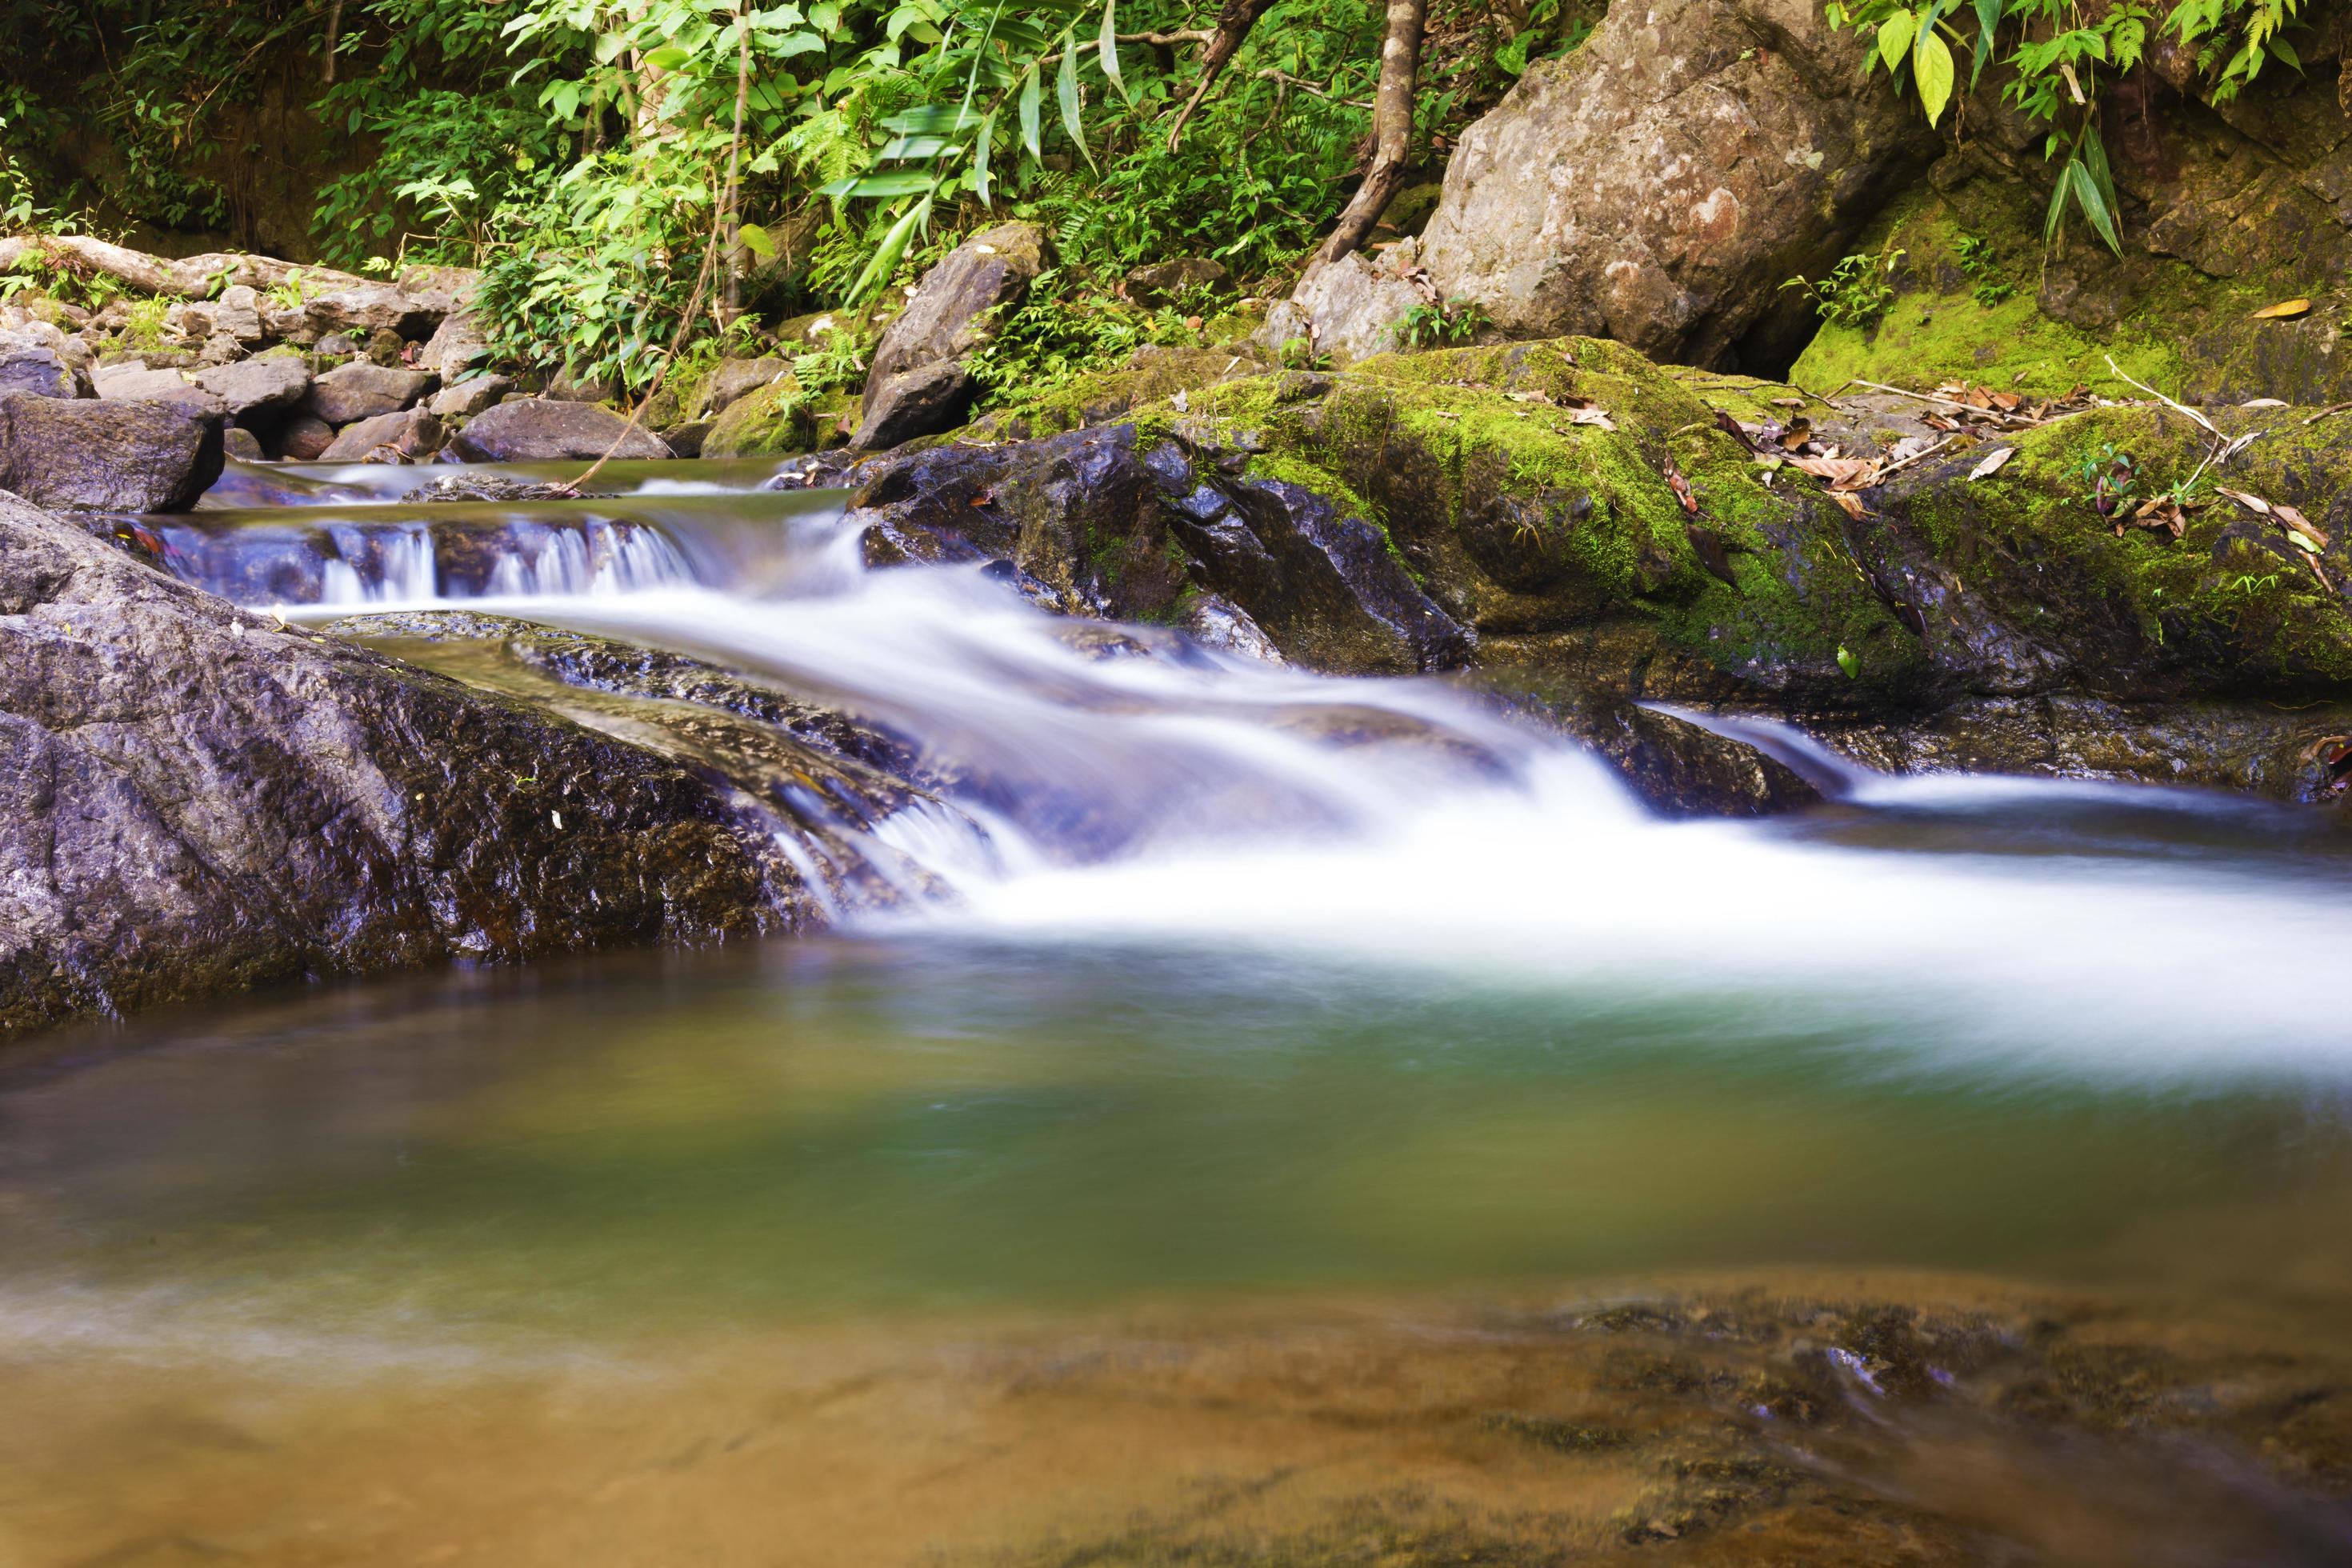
pixel 1849 501
pixel 2282 311
pixel 1990 463
pixel 2264 403
pixel 1787 402
pixel 1799 430
pixel 1680 486
pixel 1842 473
pixel 2252 503
pixel 1591 416
pixel 2297 522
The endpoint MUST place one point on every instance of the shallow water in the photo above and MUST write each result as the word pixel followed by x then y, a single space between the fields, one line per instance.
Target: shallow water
pixel 1271 1048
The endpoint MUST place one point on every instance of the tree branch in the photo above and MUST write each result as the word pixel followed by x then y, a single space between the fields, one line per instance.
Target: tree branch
pixel 1392 130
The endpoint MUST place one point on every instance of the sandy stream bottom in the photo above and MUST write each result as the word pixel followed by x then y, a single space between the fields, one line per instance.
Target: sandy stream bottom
pixel 1771 1420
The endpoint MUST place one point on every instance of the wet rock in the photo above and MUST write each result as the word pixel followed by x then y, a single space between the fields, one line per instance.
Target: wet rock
pixel 954 311
pixel 534 429
pixel 477 486
pixel 242 443
pixel 259 390
pixel 1659 184
pixel 1214 621
pixel 357 813
pixel 410 435
pixel 107 456
pixel 1676 767
pixel 1106 526
pixel 919 401
pixel 1164 282
pixel 361 391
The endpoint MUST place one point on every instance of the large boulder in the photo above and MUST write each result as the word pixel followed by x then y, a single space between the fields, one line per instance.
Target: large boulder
pixel 539 430
pixel 953 312
pixel 194 798
pixel 361 391
pixel 356 308
pixel 107 456
pixel 774 418
pixel 1660 183
pixel 919 401
pixel 732 378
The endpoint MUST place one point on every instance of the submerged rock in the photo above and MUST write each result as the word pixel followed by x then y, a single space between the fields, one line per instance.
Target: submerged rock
pixel 194 798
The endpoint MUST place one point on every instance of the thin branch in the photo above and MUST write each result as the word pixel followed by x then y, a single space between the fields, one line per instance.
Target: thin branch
pixel 1302 85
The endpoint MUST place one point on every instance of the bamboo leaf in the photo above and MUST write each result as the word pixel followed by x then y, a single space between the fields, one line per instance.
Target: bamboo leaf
pixel 2094 206
pixel 1029 94
pixel 1988 23
pixel 1065 92
pixel 887 256
pixel 979 156
pixel 1109 51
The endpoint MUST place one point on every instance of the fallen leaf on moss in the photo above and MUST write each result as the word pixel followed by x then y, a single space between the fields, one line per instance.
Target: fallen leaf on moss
pixel 2282 311
pixel 1990 463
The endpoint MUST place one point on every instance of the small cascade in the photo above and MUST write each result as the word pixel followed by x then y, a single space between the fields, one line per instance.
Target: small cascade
pixel 931 745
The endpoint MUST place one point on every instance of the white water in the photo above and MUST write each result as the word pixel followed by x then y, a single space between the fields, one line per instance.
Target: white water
pixel 1150 791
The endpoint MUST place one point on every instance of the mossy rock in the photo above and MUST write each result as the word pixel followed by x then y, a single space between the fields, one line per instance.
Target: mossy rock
pixel 1152 373
pixel 777 420
pixel 1976 300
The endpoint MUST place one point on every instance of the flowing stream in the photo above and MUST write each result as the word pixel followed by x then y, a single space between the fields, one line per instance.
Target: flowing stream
pixel 1217 1002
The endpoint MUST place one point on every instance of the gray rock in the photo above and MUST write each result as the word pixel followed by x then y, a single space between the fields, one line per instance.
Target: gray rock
pixel 242 443
pixel 413 435
pixel 40 371
pixel 1658 185
pixel 731 378
pixel 1352 306
pixel 337 345
pixel 257 388
pixel 1162 282
pixel 302 439
pixel 361 391
pixel 538 429
pixel 106 455
pixel 220 349
pixel 386 347
pixel 158 386
pixel 470 396
pixel 955 307
pixel 356 309
pixel 564 386
pixel 456 345
pixel 919 401
pixel 445 288
pixel 194 799
pixel 687 439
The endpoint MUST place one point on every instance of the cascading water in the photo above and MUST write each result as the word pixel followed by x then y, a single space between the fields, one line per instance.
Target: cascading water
pixel 1123 783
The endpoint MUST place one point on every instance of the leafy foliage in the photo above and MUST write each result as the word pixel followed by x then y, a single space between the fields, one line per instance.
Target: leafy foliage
pixel 1857 290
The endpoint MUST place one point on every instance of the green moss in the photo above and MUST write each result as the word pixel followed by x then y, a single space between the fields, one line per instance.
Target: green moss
pixel 775 420
pixel 1962 248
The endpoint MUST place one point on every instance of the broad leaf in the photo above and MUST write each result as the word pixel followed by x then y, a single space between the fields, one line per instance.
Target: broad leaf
pixel 668 58
pixel 1931 64
pixel 1895 37
pixel 755 240
pixel 1029 95
pixel 979 157
pixel 1988 23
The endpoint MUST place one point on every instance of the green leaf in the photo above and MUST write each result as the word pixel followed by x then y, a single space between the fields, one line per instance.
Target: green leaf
pixel 2094 206
pixel 928 120
pixel 1065 91
pixel 979 156
pixel 1847 662
pixel 668 58
pixel 2054 223
pixel 886 257
pixel 1109 51
pixel 1895 37
pixel 755 240
pixel 1931 63
pixel 1030 91
pixel 900 183
pixel 1988 23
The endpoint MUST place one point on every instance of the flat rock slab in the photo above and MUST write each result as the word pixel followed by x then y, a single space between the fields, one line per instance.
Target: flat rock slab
pixel 354 392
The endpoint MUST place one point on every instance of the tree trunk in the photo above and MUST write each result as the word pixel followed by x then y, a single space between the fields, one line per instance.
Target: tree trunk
pixel 735 163
pixel 1233 24
pixel 1392 130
